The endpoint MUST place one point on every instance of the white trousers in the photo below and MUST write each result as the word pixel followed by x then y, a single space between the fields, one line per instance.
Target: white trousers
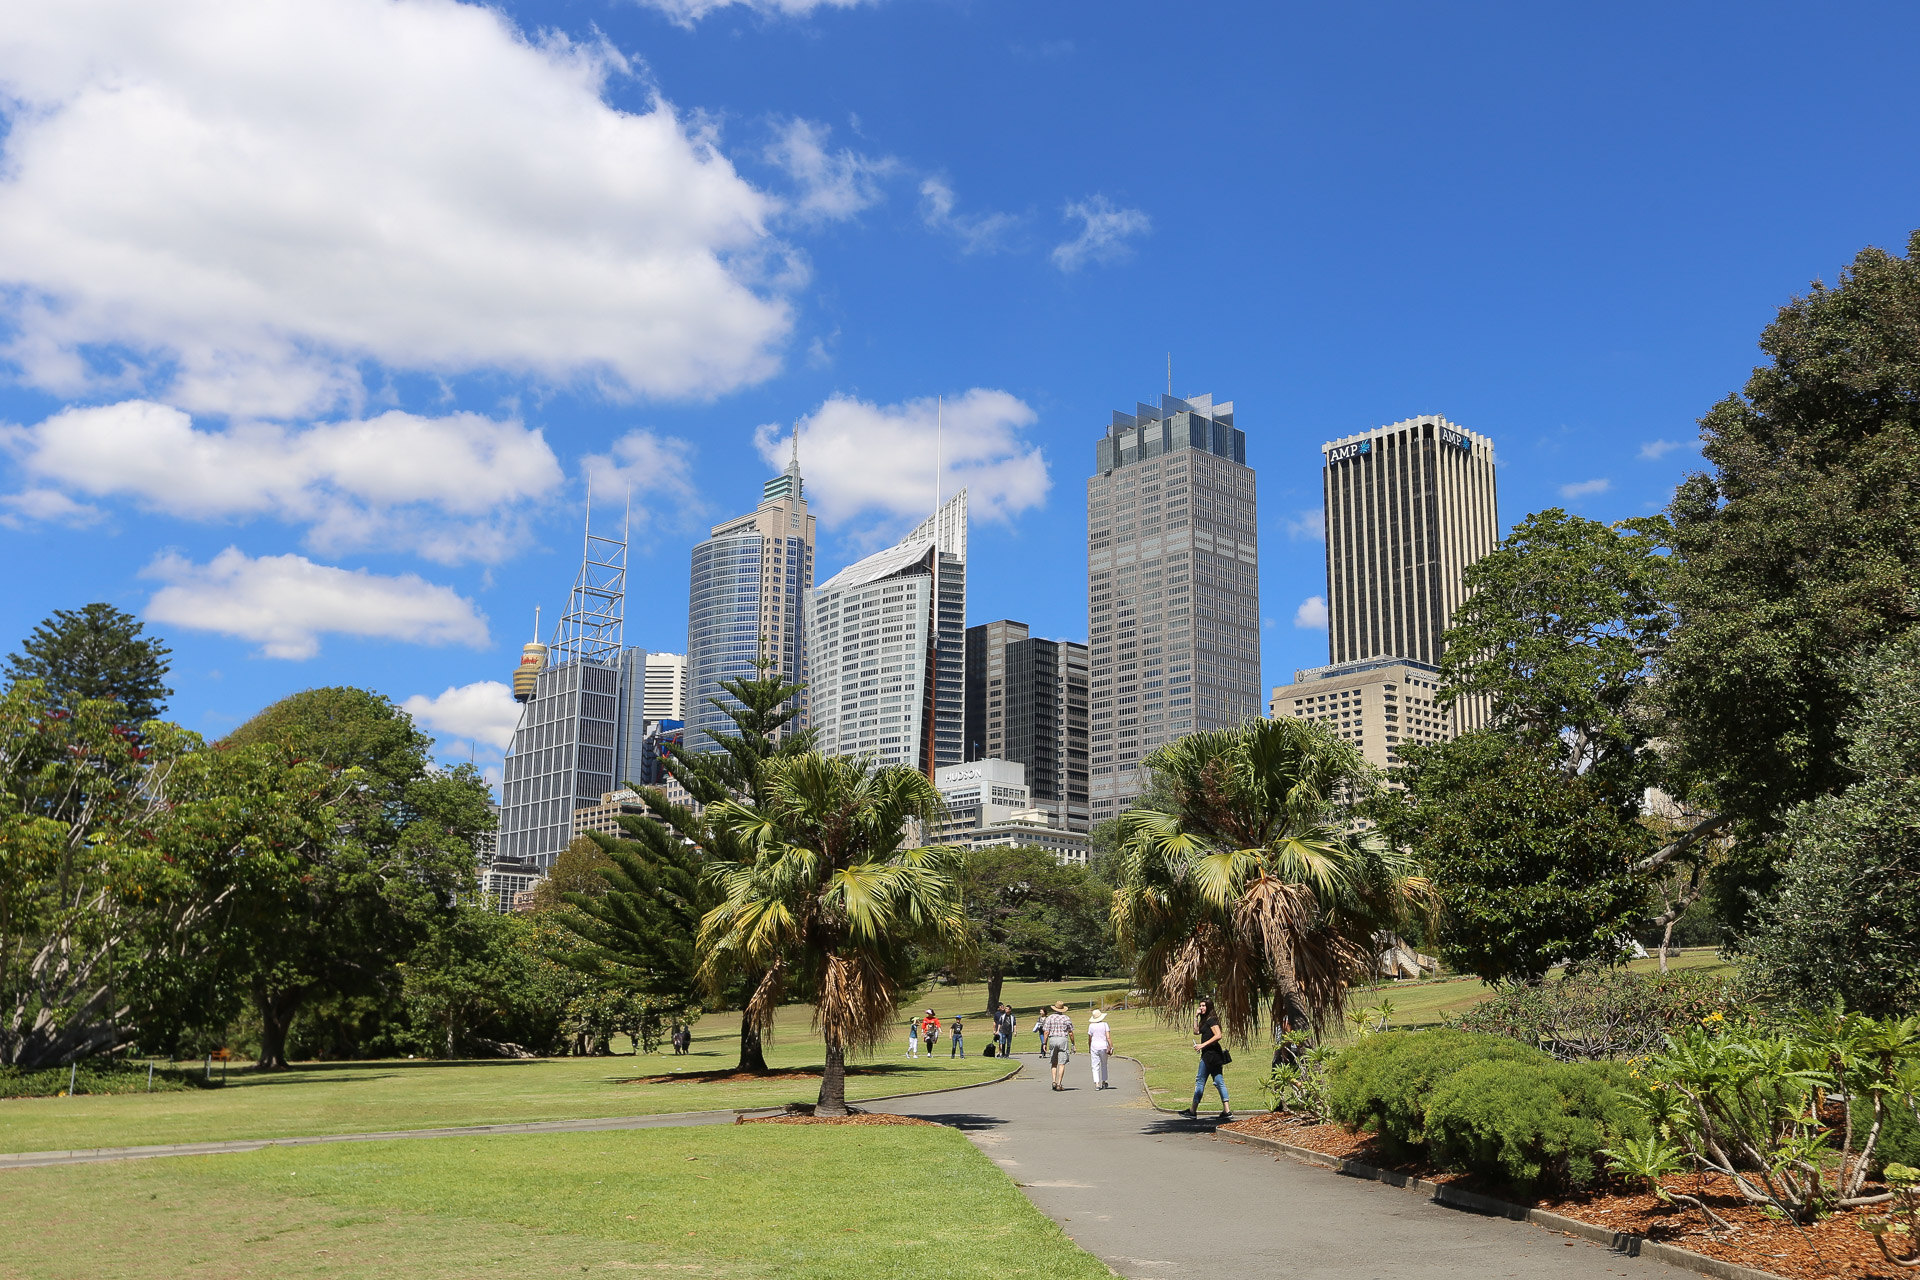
pixel 1100 1066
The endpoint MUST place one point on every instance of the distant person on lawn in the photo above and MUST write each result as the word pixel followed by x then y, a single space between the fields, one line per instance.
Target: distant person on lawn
pixel 1099 1046
pixel 1057 1032
pixel 930 1031
pixel 1040 1029
pixel 1213 1061
pixel 913 1038
pixel 955 1048
pixel 1003 1026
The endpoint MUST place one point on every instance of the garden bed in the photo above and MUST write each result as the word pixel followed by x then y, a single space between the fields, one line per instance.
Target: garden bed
pixel 1836 1249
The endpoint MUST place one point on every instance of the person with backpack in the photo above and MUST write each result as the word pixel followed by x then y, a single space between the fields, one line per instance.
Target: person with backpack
pixel 956 1048
pixel 1213 1061
pixel 1004 1028
pixel 930 1031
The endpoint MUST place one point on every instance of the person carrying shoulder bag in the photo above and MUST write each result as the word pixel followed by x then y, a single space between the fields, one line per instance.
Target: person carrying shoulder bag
pixel 1213 1061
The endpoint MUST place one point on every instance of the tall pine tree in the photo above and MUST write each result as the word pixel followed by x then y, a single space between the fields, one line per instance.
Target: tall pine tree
pixel 95 653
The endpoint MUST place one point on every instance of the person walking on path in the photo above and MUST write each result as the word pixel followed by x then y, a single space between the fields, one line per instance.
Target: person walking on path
pixel 1003 1027
pixel 1040 1029
pixel 955 1047
pixel 913 1038
pixel 930 1031
pixel 1099 1046
pixel 1056 1030
pixel 1213 1062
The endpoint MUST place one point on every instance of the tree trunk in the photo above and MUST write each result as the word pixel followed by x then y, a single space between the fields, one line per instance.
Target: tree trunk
pixel 1665 938
pixel 276 1018
pixel 751 1056
pixel 995 980
pixel 833 1082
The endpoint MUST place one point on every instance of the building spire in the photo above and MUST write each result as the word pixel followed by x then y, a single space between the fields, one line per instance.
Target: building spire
pixel 794 466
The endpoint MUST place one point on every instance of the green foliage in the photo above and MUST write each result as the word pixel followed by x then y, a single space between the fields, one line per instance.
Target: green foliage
pixel 1754 1104
pixel 1384 1082
pixel 1531 1122
pixel 1028 915
pixel 1845 921
pixel 95 654
pixel 1797 552
pixel 1251 886
pixel 97 1076
pixel 1897 1229
pixel 1298 1082
pixel 1612 1014
pixel 1534 865
pixel 1557 633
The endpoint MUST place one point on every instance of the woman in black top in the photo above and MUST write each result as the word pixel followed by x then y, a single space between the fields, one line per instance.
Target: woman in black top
pixel 1213 1061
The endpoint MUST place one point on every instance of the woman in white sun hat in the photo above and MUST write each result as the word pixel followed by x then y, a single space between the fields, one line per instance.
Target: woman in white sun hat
pixel 1100 1045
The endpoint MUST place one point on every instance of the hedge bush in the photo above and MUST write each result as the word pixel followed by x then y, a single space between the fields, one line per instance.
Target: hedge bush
pixel 1531 1122
pixel 1612 1014
pixel 96 1077
pixel 1384 1082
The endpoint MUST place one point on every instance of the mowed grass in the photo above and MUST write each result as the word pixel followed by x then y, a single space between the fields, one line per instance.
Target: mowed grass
pixel 799 1202
pixel 365 1097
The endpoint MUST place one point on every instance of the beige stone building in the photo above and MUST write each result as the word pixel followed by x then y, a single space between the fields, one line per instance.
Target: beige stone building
pixel 1378 707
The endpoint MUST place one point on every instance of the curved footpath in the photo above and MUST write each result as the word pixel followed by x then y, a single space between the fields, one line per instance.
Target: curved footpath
pixel 1156 1197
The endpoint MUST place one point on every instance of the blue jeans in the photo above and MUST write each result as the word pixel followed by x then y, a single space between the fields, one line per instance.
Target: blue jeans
pixel 1200 1084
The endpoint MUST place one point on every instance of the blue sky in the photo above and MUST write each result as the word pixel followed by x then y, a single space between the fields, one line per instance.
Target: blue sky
pixel 314 317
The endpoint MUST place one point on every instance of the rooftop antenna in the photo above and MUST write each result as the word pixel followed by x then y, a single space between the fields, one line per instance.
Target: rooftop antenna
pixel 593 627
pixel 1169 373
pixel 536 622
pixel 794 466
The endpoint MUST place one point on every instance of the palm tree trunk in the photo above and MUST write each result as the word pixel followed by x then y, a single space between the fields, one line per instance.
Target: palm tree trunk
pixel 752 1057
pixel 833 1082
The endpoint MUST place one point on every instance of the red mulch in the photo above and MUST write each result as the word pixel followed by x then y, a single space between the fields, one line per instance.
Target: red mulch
pixel 859 1118
pixel 1836 1249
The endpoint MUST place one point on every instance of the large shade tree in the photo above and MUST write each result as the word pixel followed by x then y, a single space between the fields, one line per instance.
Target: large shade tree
pixel 828 902
pixel 1254 884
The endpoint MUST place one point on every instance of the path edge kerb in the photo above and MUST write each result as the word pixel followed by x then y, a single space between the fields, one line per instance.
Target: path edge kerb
pixel 917 1093
pixel 1634 1246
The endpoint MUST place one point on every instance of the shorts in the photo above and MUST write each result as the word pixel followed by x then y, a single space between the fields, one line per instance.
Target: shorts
pixel 1059 1052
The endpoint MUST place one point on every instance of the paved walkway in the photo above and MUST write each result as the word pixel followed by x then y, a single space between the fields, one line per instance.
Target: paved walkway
pixel 1155 1199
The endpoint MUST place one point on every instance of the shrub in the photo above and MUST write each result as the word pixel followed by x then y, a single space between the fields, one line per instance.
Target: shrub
pixel 1383 1083
pixel 1298 1083
pixel 97 1076
pixel 1614 1014
pixel 1531 1122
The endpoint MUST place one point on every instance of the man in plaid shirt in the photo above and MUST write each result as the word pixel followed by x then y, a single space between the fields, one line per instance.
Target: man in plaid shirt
pixel 1056 1029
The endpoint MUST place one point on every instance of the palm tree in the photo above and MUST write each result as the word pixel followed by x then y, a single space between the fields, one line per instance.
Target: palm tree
pixel 829 905
pixel 1253 882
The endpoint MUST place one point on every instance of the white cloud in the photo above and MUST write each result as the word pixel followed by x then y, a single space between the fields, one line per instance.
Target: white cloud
pixel 860 458
pixel 483 712
pixel 1653 450
pixel 658 469
pixel 45 506
pixel 286 603
pixel 834 185
pixel 1104 233
pixel 687 12
pixel 977 232
pixel 237 207
pixel 1312 614
pixel 1585 489
pixel 449 488
pixel 1309 523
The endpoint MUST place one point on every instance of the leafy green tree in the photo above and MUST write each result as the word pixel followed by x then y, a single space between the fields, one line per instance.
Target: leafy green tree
pixel 829 904
pixel 1026 913
pixel 1845 924
pixel 636 931
pixel 1252 885
pixel 577 869
pixel 1797 552
pixel 95 654
pixel 335 917
pixel 1534 865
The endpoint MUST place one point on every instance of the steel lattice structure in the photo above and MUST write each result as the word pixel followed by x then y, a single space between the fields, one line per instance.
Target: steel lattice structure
pixel 593 628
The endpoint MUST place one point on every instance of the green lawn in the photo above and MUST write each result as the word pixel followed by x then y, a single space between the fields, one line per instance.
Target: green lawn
pixel 734 1201
pixel 374 1096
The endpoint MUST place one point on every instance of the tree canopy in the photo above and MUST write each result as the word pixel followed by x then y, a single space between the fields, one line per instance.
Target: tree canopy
pixel 95 654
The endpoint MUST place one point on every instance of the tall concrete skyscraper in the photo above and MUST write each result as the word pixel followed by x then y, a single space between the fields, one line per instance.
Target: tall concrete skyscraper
pixel 886 644
pixel 1173 588
pixel 1409 507
pixel 749 582
pixel 666 686
pixel 1027 703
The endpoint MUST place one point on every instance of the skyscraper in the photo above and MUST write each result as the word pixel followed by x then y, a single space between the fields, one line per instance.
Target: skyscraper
pixel 886 648
pixel 583 718
pixel 1027 703
pixel 666 686
pixel 1409 507
pixel 749 581
pixel 1173 587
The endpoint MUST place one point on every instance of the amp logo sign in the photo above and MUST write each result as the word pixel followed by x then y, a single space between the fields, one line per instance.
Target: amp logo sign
pixel 1340 453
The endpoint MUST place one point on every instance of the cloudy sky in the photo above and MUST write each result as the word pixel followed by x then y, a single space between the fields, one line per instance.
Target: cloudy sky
pixel 317 315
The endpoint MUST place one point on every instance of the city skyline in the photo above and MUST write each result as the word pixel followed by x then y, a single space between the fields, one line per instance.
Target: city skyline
pixel 313 448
